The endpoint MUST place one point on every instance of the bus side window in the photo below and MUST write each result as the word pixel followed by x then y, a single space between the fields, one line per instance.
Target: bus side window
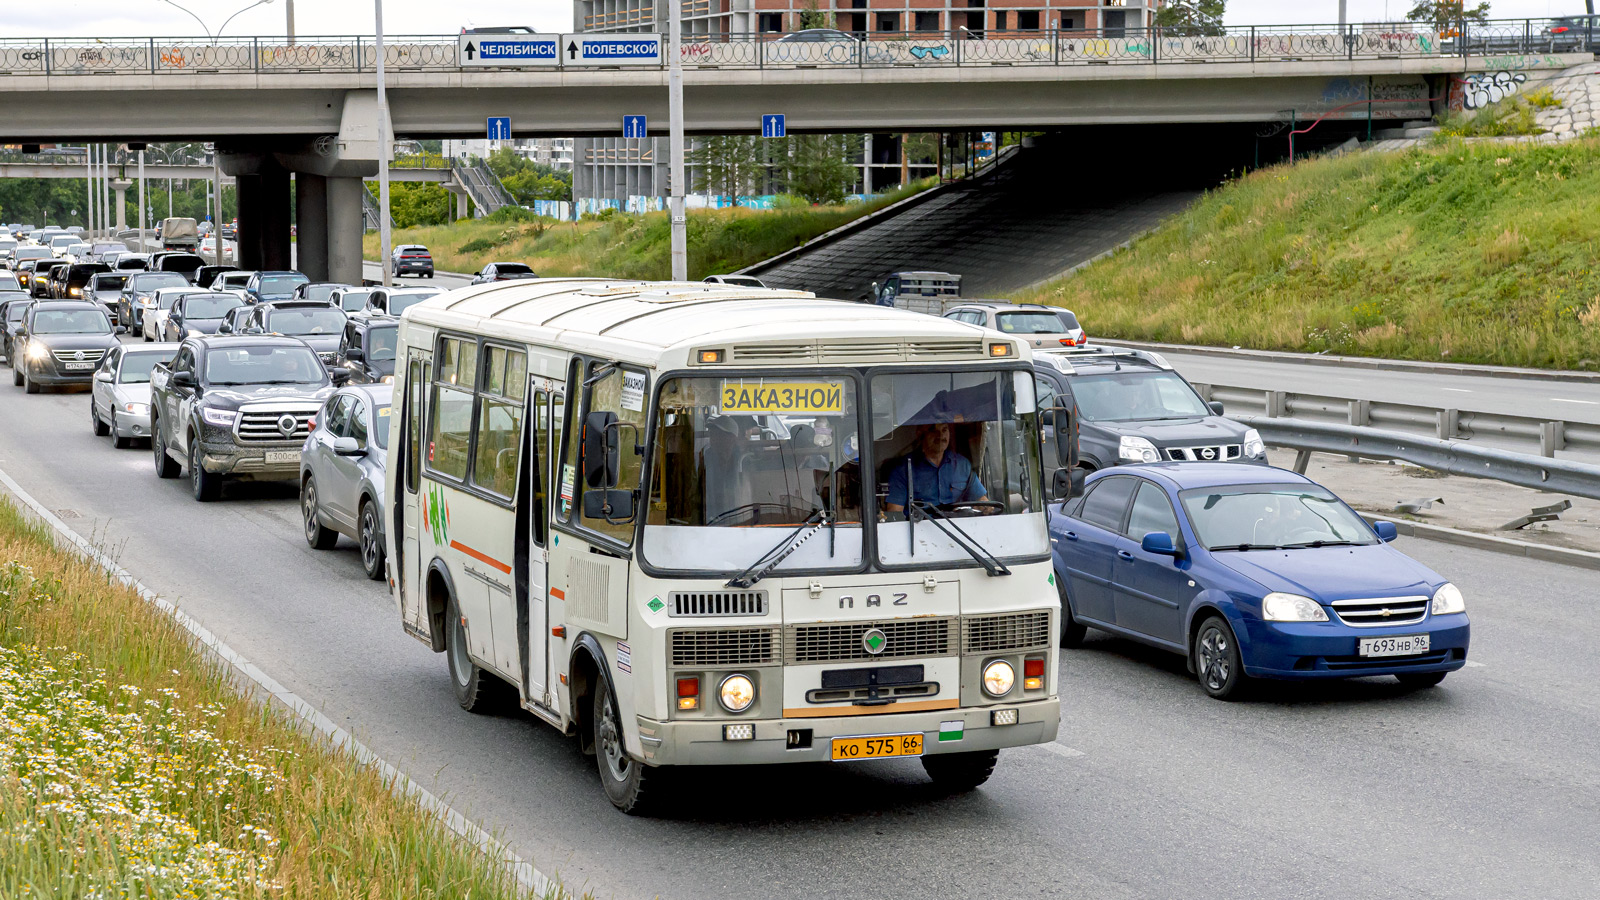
pixel 414 401
pixel 621 392
pixel 536 457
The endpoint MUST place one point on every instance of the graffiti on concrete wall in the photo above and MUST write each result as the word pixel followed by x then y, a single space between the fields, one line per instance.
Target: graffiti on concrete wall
pixel 1480 89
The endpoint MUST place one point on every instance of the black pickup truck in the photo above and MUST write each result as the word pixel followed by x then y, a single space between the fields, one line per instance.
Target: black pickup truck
pixel 236 406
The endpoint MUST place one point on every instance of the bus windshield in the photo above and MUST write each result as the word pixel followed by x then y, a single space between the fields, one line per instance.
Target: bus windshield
pixel 755 458
pixel 758 457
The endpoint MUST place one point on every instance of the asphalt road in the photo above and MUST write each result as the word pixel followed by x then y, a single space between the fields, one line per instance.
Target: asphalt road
pixel 1483 787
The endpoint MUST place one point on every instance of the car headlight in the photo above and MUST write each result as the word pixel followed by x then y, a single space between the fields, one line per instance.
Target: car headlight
pixel 1447 599
pixel 1277 607
pixel 74 292
pixel 1137 449
pixel 193 333
pixel 998 678
pixel 737 693
pixel 1253 444
pixel 222 418
pixel 387 379
pixel 137 409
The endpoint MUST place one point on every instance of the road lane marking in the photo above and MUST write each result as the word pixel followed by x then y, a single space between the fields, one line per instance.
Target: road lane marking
pixel 1059 750
pixel 1565 400
pixel 1457 390
pixel 1474 664
pixel 524 872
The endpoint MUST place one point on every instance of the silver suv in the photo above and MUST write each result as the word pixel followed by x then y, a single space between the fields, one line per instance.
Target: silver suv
pixel 1042 326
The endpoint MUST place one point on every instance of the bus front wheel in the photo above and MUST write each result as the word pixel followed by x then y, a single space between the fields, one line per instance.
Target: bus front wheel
pixel 960 772
pixel 630 785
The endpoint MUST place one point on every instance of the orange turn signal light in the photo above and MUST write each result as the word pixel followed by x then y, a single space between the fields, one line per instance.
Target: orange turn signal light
pixel 999 351
pixel 710 356
pixel 688 693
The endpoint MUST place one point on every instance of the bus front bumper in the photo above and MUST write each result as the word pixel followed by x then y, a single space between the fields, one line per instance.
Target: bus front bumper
pixel 702 743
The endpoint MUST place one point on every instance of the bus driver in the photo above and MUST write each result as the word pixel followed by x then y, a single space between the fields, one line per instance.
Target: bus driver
pixel 939 475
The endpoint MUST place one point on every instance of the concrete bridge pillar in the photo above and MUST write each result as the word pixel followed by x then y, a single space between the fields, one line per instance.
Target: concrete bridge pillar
pixel 346 226
pixel 121 187
pixel 311 225
pixel 274 218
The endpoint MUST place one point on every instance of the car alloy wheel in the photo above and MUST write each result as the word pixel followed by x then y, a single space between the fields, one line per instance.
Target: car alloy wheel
pixel 371 542
pixel 318 537
pixel 1216 660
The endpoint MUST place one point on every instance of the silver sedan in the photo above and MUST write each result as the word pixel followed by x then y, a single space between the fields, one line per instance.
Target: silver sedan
pixel 341 472
pixel 119 402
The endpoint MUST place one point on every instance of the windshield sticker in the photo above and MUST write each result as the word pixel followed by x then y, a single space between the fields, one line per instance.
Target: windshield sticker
pixel 569 479
pixel 383 412
pixel 811 398
pixel 633 391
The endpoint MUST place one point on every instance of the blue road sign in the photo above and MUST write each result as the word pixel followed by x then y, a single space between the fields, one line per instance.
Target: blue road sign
pixel 499 128
pixel 772 126
pixel 633 126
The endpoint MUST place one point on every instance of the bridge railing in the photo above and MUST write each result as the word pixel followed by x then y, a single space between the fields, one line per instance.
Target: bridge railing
pixel 961 47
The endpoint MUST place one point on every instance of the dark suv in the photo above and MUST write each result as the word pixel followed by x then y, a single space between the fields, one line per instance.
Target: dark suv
pixel 235 407
pixel 318 324
pixel 61 342
pixel 413 259
pixel 70 282
pixel 367 349
pixel 1132 407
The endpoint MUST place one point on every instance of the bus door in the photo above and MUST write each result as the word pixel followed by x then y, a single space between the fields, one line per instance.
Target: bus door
pixel 544 411
pixel 408 568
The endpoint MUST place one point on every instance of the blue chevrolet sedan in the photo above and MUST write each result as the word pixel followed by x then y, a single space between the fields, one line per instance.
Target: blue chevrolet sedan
pixel 1250 573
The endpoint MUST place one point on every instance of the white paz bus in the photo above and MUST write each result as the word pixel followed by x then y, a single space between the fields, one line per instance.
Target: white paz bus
pixel 702 524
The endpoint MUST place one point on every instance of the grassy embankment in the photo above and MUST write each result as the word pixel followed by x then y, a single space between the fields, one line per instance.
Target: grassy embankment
pixel 629 246
pixel 1481 253
pixel 130 767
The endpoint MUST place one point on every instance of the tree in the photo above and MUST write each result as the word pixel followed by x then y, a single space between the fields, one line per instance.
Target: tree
pixel 732 165
pixel 1444 13
pixel 1190 18
pixel 821 167
pixel 812 17
pixel 527 180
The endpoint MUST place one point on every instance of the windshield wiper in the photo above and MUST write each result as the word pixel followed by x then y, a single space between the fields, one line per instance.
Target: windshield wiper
pixel 769 560
pixel 1319 543
pixel 1242 547
pixel 963 540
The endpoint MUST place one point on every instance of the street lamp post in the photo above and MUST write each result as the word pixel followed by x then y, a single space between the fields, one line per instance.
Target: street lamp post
pixel 88 159
pixel 140 225
pixel 679 223
pixel 383 155
pixel 218 33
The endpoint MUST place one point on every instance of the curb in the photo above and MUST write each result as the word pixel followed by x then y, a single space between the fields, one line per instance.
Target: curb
pixel 1581 558
pixel 526 875
pixel 1364 362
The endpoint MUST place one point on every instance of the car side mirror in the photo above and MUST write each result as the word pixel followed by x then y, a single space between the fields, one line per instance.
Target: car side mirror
pixel 347 446
pixel 182 380
pixel 615 506
pixel 225 328
pixel 121 330
pixel 1159 543
pixel 103 376
pixel 1216 407
pixel 340 375
pixel 354 354
pixel 601 454
pixel 1386 531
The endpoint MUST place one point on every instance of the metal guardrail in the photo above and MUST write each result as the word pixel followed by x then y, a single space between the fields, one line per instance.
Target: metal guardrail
pixel 1455 457
pixel 936 49
pixel 1547 436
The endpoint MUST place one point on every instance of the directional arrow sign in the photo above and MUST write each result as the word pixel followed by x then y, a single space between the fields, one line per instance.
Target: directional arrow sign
pixel 772 126
pixel 612 50
pixel 500 128
pixel 633 126
pixel 480 50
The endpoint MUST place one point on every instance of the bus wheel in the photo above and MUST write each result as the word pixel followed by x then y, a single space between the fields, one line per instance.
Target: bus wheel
pixel 960 772
pixel 630 785
pixel 475 688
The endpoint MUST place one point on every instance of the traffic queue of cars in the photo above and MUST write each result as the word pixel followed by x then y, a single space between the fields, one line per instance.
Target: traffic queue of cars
pixel 1172 531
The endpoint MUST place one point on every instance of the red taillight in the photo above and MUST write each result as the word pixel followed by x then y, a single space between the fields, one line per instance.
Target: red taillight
pixel 311 424
pixel 1033 668
pixel 1083 339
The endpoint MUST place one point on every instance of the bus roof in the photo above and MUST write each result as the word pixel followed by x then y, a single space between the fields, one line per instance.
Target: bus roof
pixel 660 323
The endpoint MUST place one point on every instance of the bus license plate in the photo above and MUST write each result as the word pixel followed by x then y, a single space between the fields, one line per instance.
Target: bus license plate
pixel 877 747
pixel 1399 645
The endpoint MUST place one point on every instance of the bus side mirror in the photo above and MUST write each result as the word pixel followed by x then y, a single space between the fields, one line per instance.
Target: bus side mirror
pixel 616 507
pixel 1059 420
pixel 1066 484
pixel 600 452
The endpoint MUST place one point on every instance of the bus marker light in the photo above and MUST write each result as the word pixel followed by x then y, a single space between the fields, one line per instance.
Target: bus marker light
pixel 999 351
pixel 688 693
pixel 710 356
pixel 745 731
pixel 1033 674
pixel 1003 717
pixel 559 631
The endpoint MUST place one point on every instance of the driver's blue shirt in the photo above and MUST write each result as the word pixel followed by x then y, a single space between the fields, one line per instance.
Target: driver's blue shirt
pixel 950 482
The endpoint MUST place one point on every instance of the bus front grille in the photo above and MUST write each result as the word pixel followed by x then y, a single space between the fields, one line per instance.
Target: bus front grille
pixel 845 641
pixel 717 603
pixel 1012 631
pixel 702 648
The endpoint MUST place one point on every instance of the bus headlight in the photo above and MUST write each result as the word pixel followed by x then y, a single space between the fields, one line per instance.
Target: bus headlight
pixel 737 693
pixel 998 678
